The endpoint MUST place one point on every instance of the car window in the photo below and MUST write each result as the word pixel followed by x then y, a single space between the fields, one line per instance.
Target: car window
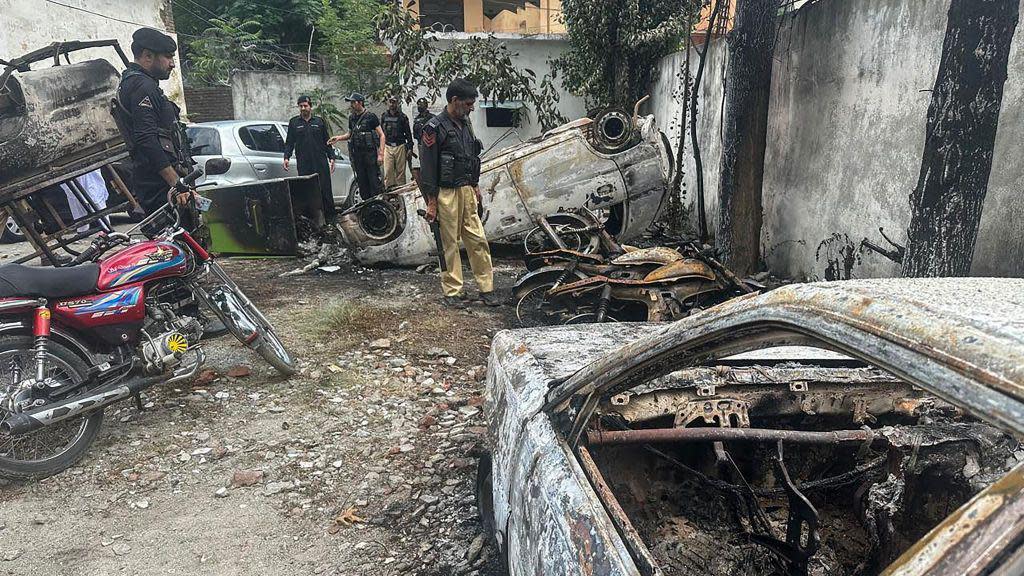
pixel 205 141
pixel 261 138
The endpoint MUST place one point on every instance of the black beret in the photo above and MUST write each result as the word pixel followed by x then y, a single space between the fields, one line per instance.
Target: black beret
pixel 422 101
pixel 154 40
pixel 355 97
pixel 305 99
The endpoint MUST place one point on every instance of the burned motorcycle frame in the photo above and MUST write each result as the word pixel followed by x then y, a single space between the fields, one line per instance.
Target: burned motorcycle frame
pixel 589 277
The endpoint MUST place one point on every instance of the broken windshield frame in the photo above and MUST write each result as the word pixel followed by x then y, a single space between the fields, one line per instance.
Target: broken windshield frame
pixel 732 331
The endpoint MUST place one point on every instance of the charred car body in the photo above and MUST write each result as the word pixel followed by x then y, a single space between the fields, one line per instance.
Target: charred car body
pixel 842 428
pixel 613 163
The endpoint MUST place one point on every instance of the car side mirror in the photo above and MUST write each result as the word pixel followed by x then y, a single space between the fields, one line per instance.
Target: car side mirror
pixel 215 166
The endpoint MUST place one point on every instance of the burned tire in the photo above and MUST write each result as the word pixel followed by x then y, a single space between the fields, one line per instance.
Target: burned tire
pixel 16 460
pixel 613 131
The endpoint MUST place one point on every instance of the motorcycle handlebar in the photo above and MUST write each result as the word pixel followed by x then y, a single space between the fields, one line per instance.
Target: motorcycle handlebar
pixel 193 176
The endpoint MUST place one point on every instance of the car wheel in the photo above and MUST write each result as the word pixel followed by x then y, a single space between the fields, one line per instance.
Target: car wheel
pixel 11 232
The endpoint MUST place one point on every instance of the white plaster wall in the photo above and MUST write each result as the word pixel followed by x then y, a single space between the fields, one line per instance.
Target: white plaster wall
pixel 27 25
pixel 849 105
pixel 272 95
pixel 666 105
pixel 533 52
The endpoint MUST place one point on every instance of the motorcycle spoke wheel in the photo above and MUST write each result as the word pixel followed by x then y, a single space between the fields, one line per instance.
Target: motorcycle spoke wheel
pixel 570 229
pixel 51 449
pixel 534 309
pixel 589 318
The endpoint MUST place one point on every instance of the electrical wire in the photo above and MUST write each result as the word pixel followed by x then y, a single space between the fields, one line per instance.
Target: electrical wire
pixel 80 9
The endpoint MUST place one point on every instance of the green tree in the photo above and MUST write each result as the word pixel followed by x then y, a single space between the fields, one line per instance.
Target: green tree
pixel 349 42
pixel 325 107
pixel 421 65
pixel 228 45
pixel 615 46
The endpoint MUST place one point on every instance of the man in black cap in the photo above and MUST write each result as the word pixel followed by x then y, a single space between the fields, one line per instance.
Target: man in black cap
pixel 398 143
pixel 307 137
pixel 449 182
pixel 155 137
pixel 422 117
pixel 365 146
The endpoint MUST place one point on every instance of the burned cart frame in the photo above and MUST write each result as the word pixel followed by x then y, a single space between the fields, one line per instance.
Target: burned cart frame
pixel 15 194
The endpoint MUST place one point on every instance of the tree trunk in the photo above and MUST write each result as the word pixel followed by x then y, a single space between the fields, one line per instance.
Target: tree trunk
pixel 747 92
pixel 946 204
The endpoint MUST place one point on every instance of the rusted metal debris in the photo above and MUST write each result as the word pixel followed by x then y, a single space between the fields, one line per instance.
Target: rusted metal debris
pixel 933 367
pixel 578 272
pixel 662 435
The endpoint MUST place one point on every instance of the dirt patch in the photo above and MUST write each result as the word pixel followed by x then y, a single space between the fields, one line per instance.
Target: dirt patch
pixel 365 460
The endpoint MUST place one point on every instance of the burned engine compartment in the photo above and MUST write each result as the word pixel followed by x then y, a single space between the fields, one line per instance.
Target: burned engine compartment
pixel 784 468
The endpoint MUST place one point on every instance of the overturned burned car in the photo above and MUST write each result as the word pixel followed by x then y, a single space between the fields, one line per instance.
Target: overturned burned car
pixel 857 427
pixel 616 164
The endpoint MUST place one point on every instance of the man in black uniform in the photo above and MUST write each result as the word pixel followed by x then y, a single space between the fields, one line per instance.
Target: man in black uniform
pixel 449 181
pixel 398 143
pixel 307 137
pixel 422 117
pixel 156 138
pixel 365 146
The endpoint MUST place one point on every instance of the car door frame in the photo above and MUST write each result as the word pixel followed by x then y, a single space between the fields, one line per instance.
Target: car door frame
pixel 254 159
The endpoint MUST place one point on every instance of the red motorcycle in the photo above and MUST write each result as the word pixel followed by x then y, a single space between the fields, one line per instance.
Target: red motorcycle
pixel 74 340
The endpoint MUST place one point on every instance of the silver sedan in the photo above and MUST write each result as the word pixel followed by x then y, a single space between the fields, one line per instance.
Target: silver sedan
pixel 256 151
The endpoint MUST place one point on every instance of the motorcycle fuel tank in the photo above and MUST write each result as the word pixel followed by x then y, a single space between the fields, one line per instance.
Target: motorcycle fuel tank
pixel 142 262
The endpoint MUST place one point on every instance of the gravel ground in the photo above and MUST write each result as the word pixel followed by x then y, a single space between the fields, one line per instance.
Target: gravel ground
pixel 362 465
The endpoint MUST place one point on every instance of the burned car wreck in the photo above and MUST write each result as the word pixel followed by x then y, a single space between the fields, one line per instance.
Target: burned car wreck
pixel 858 427
pixel 615 164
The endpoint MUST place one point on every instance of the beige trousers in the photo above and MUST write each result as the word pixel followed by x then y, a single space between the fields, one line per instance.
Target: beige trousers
pixel 394 166
pixel 456 213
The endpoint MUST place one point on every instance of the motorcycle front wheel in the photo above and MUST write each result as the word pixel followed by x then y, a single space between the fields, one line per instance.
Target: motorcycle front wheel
pixel 247 323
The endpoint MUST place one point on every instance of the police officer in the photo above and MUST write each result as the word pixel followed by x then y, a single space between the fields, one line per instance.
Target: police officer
pixel 365 146
pixel 398 143
pixel 307 137
pixel 449 181
pixel 156 138
pixel 422 117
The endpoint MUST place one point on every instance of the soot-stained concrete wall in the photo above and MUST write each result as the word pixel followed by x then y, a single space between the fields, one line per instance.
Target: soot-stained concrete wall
pixel 26 26
pixel 666 105
pixel 850 94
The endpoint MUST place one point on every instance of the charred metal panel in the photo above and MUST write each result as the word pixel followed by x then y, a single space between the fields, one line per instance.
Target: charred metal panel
pixel 258 218
pixel 55 116
pixel 557 172
pixel 557 520
pixel 521 364
pixel 504 211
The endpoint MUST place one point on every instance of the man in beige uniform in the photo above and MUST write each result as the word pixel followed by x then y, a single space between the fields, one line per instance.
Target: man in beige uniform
pixel 449 178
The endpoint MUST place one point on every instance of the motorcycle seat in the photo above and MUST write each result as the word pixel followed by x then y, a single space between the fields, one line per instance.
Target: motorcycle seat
pixel 17 280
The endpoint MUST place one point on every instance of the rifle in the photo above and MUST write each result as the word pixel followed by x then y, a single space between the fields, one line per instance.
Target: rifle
pixel 435 229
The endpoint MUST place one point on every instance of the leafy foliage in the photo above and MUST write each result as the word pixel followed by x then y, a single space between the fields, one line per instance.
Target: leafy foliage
pixel 423 65
pixel 615 46
pixel 227 45
pixel 349 34
pixel 325 107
